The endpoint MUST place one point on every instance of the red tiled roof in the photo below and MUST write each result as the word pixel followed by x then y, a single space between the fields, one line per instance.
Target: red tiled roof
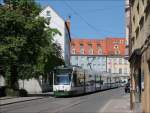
pixel 108 45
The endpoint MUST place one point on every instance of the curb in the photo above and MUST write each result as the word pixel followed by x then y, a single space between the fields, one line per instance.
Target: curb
pixel 21 101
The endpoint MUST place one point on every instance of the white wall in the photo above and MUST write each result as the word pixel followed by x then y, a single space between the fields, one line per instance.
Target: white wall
pixel 58 23
pixel 31 85
pixel 2 81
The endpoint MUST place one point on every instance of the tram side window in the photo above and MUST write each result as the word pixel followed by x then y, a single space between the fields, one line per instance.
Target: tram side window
pixel 77 80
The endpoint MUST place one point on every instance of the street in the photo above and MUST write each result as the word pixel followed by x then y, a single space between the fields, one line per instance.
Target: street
pixel 91 103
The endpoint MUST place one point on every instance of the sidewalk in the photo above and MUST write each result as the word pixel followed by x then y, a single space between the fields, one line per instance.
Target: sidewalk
pixel 120 105
pixel 11 100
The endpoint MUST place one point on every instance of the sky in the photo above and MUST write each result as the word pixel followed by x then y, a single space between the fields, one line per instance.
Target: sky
pixel 91 18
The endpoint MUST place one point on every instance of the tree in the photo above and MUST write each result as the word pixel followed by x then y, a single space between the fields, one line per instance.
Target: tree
pixel 26 47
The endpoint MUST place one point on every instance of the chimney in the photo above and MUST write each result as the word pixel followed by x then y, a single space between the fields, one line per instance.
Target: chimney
pixel 68 22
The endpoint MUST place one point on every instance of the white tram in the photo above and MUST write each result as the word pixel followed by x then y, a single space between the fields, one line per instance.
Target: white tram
pixel 73 80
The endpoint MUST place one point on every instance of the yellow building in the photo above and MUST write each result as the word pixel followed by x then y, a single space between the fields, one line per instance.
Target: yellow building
pixel 139 49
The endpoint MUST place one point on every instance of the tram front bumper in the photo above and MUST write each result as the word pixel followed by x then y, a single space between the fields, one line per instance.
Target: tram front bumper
pixel 62 93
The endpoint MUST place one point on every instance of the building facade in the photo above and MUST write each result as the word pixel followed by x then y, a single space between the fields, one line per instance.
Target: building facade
pixel 104 56
pixel 140 53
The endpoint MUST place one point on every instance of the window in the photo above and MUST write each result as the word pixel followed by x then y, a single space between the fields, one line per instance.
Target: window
pixel 72 45
pixel 100 52
pixel 116 42
pixel 98 46
pixel 125 70
pixel 125 61
pixel 120 61
pixel 141 22
pixel 82 57
pixel 147 9
pixel 109 70
pixel 82 65
pixel 137 32
pixel 116 46
pixel 73 51
pixel 134 19
pixel 94 65
pixel 81 49
pixel 143 1
pixel 48 19
pixel 117 52
pixel 90 46
pixel 76 57
pixel 115 60
pixel 48 13
pixel 81 45
pixel 91 51
pixel 138 8
pixel 120 71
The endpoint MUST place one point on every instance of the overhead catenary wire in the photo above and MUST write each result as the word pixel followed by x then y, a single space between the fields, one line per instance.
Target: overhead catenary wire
pixel 85 21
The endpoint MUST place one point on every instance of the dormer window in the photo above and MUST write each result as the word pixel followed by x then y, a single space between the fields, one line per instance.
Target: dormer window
pixel 117 52
pixel 116 47
pixel 48 13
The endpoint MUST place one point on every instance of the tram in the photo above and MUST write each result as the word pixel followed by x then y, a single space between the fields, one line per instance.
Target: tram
pixel 73 80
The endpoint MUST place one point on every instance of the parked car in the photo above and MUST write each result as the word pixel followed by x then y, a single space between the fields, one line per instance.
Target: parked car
pixel 127 88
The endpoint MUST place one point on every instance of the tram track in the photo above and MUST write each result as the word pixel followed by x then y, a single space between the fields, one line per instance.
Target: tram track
pixel 26 104
pixel 23 105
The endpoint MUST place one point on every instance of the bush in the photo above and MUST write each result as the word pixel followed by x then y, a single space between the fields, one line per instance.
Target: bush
pixel 11 92
pixel 23 93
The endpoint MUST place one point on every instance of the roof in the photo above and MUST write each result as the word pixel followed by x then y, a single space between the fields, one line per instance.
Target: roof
pixel 53 10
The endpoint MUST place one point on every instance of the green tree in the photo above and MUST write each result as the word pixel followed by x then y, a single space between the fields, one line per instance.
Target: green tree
pixel 26 46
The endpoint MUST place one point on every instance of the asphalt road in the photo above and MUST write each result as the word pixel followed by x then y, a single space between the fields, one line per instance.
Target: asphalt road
pixel 91 103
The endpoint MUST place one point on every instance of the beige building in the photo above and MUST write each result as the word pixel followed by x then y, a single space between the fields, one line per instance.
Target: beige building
pixel 139 45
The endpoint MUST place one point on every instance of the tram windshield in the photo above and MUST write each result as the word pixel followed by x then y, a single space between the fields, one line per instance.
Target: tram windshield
pixel 63 79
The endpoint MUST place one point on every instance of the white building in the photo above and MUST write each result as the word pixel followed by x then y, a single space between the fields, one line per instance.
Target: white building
pixel 56 22
pixel 118 66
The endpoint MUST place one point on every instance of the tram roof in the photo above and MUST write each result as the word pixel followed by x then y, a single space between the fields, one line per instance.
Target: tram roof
pixel 67 67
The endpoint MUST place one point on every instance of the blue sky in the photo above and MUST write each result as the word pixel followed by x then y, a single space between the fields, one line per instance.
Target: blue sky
pixel 91 18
